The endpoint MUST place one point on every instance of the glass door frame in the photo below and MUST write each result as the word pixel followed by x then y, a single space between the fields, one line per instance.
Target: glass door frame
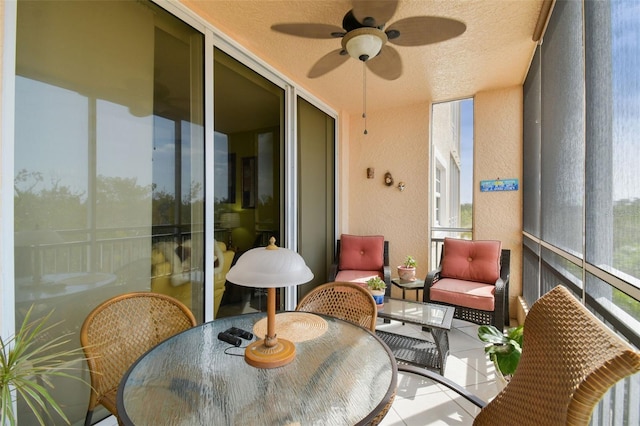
pixel 289 173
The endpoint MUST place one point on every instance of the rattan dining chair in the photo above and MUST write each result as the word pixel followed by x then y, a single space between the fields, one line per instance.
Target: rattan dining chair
pixel 118 331
pixel 569 361
pixel 348 301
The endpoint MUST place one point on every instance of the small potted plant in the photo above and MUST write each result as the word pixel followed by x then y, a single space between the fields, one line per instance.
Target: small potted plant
pixel 504 350
pixel 377 286
pixel 407 271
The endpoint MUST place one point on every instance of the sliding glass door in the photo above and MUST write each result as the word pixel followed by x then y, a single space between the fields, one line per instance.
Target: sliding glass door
pixel 248 153
pixel 316 191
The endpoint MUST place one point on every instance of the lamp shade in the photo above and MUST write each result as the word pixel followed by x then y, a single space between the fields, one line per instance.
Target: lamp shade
pixel 230 220
pixel 270 266
pixel 364 43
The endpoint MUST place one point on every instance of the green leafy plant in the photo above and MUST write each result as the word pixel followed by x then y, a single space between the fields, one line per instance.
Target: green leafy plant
pixel 409 262
pixel 28 361
pixel 504 349
pixel 376 283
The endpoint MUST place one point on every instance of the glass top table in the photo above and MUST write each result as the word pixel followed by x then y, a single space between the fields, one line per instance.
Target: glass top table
pixel 342 374
pixel 420 352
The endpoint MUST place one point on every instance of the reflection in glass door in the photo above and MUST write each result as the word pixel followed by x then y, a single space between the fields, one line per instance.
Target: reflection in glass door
pixel 316 191
pixel 108 164
pixel 247 155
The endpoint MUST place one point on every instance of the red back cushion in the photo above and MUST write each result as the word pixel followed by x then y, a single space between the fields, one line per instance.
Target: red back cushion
pixel 472 260
pixel 361 252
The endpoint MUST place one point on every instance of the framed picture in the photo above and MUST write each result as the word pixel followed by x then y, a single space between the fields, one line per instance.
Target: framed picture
pixel 249 183
pixel 231 179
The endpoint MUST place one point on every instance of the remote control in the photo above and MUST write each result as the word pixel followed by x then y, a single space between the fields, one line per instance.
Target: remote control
pixel 235 331
pixel 229 338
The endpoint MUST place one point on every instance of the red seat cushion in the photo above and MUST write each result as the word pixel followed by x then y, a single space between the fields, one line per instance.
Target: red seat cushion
pixel 358 277
pixel 469 294
pixel 472 260
pixel 362 253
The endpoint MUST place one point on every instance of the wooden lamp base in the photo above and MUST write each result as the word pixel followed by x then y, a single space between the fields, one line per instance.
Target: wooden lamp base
pixel 259 355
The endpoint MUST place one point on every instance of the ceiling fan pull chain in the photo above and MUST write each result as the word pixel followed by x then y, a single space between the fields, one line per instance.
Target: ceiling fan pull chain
pixel 364 95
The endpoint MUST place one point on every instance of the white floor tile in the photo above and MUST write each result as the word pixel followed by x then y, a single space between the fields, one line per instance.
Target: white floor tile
pixel 421 402
pixel 477 359
pixel 410 386
pixel 109 421
pixel 460 341
pixel 463 374
pixel 392 419
pixel 432 409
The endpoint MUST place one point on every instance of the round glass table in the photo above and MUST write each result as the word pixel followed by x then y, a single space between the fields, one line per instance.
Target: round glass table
pixel 342 374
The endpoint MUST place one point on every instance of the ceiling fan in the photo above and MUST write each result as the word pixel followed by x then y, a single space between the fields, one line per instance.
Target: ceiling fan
pixel 365 35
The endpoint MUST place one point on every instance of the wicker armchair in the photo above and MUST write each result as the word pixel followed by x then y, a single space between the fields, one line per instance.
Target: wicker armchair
pixel 348 301
pixel 569 361
pixel 473 276
pixel 118 331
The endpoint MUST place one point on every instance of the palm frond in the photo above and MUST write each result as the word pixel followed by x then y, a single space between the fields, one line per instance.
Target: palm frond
pixel 28 362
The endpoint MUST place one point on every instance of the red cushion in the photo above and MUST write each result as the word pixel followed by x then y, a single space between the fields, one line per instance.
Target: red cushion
pixel 469 294
pixel 471 260
pixel 359 277
pixel 364 253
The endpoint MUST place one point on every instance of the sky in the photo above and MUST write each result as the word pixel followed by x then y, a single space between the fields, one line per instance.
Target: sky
pixel 466 156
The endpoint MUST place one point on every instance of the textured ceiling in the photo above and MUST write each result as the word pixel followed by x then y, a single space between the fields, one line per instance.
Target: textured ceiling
pixel 493 52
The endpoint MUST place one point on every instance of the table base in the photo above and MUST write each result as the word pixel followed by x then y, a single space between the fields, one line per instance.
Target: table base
pixel 419 352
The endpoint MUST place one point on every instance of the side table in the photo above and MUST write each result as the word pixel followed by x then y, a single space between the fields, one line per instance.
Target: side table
pixel 411 285
pixel 413 350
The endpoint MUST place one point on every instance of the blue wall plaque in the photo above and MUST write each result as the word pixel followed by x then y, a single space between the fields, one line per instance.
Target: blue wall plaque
pixel 498 185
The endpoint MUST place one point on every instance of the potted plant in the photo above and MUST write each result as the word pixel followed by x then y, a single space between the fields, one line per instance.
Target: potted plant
pixel 407 271
pixel 377 287
pixel 504 350
pixel 28 361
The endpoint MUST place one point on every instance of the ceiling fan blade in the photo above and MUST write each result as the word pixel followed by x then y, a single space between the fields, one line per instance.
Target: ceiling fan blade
pixel 387 64
pixel 309 30
pixel 328 62
pixel 421 30
pixel 373 13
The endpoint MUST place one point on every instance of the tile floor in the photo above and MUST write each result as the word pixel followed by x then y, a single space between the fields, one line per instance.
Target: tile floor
pixel 421 402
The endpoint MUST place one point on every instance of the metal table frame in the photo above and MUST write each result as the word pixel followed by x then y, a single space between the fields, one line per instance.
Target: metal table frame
pixel 412 350
pixel 416 285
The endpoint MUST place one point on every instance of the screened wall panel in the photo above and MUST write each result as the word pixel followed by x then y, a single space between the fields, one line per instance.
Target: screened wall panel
pixel 562 170
pixel 613 125
pixel 531 148
pixel 589 185
pixel 530 270
pixel 619 406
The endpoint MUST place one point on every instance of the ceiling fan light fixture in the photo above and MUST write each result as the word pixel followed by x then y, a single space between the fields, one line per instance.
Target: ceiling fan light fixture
pixel 364 43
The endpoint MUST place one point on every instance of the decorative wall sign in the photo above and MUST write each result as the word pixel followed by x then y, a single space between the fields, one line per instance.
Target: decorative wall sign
pixel 498 185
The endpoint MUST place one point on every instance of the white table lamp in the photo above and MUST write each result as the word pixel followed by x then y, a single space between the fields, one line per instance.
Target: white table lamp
pixel 270 267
